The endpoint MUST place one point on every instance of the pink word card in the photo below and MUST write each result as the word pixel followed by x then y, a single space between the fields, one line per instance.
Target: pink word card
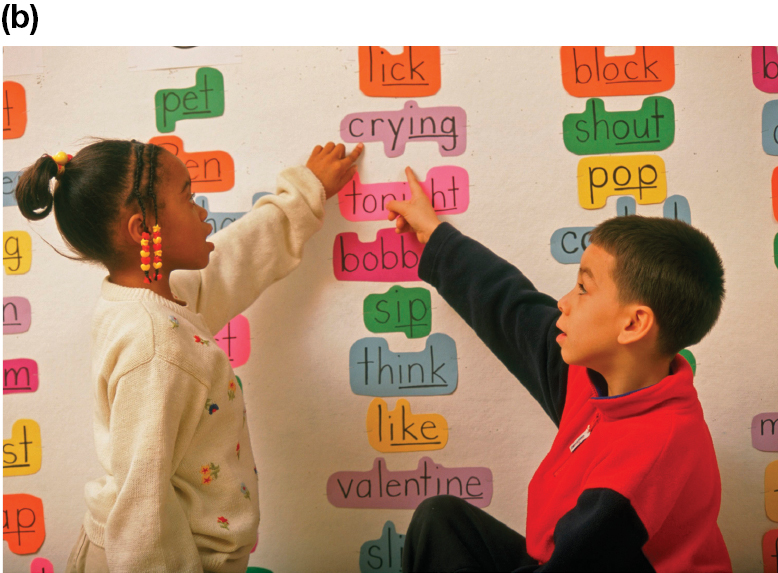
pixel 764 66
pixel 448 188
pixel 392 257
pixel 20 375
pixel 235 340
pixel 381 488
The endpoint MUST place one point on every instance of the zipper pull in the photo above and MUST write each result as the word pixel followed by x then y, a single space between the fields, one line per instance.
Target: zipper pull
pixel 579 440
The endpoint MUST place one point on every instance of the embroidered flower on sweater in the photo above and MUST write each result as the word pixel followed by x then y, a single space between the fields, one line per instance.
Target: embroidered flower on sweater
pixel 231 389
pixel 223 522
pixel 245 491
pixel 201 340
pixel 209 472
pixel 237 450
pixel 173 321
pixel 211 406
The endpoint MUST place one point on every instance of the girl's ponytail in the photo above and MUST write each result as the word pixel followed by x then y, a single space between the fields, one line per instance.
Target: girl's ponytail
pixel 33 193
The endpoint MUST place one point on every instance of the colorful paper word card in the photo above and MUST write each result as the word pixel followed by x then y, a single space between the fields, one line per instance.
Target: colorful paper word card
pixel 17 315
pixel 22 453
pixel 689 356
pixel 392 257
pixel 235 340
pixel 447 187
pixel 445 125
pixel 383 555
pixel 381 488
pixel 595 131
pixel 24 527
pixel 764 432
pixel 771 491
pixel 14 110
pixel 221 220
pixel 17 252
pixel 205 99
pixel 770 551
pixel 10 179
pixel 20 375
pixel 588 72
pixel 41 565
pixel 764 65
pixel 376 371
pixel 414 73
pixel 770 127
pixel 399 430
pixel 775 250
pixel 642 176
pixel 400 309
pixel 775 193
pixel 211 171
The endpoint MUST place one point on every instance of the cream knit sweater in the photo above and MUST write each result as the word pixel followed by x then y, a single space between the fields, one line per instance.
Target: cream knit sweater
pixel 180 490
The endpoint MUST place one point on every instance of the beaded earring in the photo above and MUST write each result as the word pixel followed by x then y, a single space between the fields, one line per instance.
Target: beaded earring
pixel 157 245
pixel 145 256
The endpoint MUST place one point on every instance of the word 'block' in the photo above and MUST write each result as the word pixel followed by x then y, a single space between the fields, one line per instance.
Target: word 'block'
pixel 204 99
pixel 447 187
pixel 414 73
pixel 24 527
pixel 764 66
pixel 399 430
pixel 211 171
pixel 406 310
pixel 17 314
pixel 17 252
pixel 381 488
pixel 384 554
pixel 20 375
pixel 14 110
pixel 376 371
pixel 445 125
pixel 642 176
pixel 595 131
pixel 588 72
pixel 22 453
pixel 392 257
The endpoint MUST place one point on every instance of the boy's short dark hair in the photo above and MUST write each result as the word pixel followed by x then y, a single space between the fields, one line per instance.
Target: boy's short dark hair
pixel 669 266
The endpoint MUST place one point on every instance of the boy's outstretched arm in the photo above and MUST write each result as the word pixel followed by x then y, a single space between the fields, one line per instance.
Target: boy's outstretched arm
pixel 514 320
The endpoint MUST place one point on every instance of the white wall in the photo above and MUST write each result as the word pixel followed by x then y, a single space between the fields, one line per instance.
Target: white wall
pixel 305 422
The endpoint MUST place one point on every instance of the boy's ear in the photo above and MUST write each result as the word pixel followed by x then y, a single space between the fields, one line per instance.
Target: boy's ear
pixel 639 322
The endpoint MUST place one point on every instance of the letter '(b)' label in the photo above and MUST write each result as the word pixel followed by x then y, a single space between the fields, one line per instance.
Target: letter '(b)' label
pixel 595 131
pixel 414 73
pixel 399 430
pixel 587 72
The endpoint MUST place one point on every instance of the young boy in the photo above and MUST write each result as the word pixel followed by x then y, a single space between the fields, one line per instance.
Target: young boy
pixel 631 482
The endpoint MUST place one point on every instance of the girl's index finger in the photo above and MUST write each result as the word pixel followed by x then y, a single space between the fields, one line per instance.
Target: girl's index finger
pixel 355 153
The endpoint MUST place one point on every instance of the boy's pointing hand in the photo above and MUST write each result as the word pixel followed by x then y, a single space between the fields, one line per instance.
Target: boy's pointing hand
pixel 332 166
pixel 416 214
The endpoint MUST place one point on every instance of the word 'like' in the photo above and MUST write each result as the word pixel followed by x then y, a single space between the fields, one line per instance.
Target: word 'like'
pixel 414 73
pixel 595 131
pixel 22 453
pixel 17 252
pixel 392 257
pixel 447 187
pixel 400 309
pixel 24 527
pixel 569 243
pixel 20 375
pixel 588 72
pixel 384 554
pixel 376 371
pixel 210 171
pixel 764 432
pixel 17 314
pixel 14 110
pixel 642 176
pixel 204 99
pixel 381 488
pixel 399 430
pixel 770 127
pixel 446 125
pixel 764 65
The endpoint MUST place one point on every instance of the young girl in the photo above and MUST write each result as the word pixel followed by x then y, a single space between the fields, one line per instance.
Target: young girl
pixel 180 490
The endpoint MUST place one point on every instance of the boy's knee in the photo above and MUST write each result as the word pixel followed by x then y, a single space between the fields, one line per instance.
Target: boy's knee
pixel 440 507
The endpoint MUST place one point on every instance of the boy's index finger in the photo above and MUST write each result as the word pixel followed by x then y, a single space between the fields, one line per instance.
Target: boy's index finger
pixel 413 182
pixel 400 207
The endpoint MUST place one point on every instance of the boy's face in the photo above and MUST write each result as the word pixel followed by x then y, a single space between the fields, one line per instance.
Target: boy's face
pixel 592 315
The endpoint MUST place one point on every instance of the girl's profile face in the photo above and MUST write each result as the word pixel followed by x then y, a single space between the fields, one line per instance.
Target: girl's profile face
pixel 183 227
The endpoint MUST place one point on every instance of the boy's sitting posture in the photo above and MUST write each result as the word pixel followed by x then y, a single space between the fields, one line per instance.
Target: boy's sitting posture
pixel 631 482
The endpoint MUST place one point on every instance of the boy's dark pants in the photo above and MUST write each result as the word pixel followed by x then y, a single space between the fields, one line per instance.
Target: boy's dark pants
pixel 449 534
